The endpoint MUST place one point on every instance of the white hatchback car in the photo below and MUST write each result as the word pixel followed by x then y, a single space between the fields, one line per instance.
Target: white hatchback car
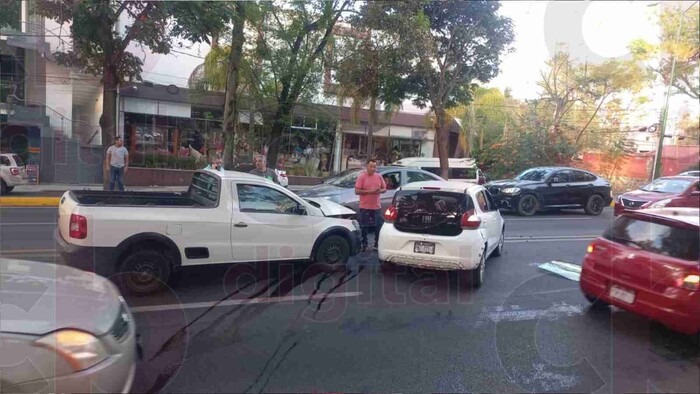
pixel 12 172
pixel 442 225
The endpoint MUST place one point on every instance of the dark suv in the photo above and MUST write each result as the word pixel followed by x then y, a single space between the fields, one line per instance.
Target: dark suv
pixel 552 187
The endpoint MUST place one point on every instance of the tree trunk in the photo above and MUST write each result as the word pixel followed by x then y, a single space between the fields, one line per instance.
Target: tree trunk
pixel 232 80
pixel 279 126
pixel 370 130
pixel 442 136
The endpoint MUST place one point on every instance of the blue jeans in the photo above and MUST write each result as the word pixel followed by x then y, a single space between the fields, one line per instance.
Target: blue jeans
pixel 116 175
pixel 370 219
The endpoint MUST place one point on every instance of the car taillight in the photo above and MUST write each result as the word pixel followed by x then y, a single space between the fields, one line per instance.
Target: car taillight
pixel 390 214
pixel 470 220
pixel 690 282
pixel 14 171
pixel 78 227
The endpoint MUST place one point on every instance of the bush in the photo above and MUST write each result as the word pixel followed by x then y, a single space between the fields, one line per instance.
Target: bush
pixel 156 160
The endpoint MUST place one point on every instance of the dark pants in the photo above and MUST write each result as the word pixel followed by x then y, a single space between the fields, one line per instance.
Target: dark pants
pixel 116 175
pixel 370 220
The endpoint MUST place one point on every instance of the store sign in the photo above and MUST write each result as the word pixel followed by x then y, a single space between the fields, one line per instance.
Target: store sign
pixel 33 173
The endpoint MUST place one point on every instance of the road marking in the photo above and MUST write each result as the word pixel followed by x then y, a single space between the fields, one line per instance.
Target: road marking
pixel 27 224
pixel 26 251
pixel 548 219
pixel 519 237
pixel 262 300
pixel 549 240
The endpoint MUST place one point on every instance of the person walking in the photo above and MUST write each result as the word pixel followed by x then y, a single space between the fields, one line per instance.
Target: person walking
pixel 262 170
pixel 369 186
pixel 117 161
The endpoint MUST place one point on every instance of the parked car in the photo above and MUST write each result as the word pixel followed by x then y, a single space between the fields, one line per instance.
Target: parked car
pixel 341 174
pixel 670 191
pixel 464 170
pixel 442 225
pixel 13 172
pixel 648 263
pixel 552 187
pixel 342 190
pixel 690 173
pixel 63 331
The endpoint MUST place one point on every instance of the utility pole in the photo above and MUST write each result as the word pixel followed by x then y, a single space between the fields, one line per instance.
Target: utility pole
pixel 664 114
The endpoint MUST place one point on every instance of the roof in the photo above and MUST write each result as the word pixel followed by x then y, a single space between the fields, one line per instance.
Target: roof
pixel 447 186
pixel 690 216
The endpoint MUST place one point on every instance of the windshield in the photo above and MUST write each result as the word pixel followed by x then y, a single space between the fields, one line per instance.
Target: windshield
pixel 665 185
pixel 346 181
pixel 536 174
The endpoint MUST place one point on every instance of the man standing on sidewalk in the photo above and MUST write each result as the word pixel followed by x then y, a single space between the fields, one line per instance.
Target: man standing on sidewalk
pixel 369 187
pixel 118 163
pixel 262 170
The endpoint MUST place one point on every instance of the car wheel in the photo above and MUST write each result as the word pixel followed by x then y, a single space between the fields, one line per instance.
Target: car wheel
pixel 333 250
pixel 474 277
pixel 499 249
pixel 594 205
pixel 144 272
pixel 3 187
pixel 596 303
pixel 10 188
pixel 528 205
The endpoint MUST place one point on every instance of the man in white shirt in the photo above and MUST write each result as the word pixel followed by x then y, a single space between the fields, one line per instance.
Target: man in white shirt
pixel 118 162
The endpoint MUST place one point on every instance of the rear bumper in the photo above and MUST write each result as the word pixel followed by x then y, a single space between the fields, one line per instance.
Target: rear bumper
pixel 677 309
pixel 15 180
pixel 101 261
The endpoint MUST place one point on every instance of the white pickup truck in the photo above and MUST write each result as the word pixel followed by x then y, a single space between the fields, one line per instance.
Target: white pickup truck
pixel 222 218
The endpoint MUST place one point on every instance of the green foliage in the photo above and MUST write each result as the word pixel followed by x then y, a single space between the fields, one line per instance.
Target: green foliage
pixel 10 16
pixel 155 160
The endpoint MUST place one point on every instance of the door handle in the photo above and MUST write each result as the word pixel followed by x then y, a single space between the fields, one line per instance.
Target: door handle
pixel 240 225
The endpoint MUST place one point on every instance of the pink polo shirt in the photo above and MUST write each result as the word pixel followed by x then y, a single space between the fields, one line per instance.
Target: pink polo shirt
pixel 370 182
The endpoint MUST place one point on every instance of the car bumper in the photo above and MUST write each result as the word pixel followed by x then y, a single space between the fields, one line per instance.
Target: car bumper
pixel 460 252
pixel 506 201
pixel 15 180
pixel 676 308
pixel 101 261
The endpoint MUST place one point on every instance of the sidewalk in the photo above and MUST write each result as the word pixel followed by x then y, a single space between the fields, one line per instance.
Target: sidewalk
pixel 48 194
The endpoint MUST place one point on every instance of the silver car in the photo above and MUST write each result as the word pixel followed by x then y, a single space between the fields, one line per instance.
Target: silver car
pixel 63 330
pixel 341 190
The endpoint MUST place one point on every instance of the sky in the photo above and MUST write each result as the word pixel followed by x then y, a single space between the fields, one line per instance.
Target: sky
pixel 593 31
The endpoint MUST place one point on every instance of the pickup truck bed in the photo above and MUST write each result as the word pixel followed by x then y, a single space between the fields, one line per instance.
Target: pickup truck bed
pixel 100 198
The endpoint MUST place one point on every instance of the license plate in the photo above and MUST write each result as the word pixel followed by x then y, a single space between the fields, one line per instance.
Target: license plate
pixel 621 294
pixel 424 247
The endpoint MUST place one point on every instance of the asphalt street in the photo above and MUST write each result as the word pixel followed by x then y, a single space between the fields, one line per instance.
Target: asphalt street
pixel 356 328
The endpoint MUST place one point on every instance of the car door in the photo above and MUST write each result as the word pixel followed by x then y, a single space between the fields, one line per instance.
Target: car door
pixel 689 199
pixel 394 180
pixel 555 193
pixel 491 218
pixel 580 188
pixel 269 224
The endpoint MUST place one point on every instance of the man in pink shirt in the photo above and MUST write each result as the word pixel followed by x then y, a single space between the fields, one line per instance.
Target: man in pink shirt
pixel 369 186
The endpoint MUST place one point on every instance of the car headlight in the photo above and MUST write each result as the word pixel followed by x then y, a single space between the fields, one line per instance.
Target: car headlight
pixel 511 190
pixel 356 224
pixel 659 204
pixel 80 349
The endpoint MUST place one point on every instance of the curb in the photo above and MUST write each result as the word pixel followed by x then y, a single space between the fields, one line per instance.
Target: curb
pixel 29 201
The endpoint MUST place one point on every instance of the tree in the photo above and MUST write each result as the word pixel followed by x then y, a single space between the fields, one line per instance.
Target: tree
pixel 454 44
pixel 100 48
pixel 686 50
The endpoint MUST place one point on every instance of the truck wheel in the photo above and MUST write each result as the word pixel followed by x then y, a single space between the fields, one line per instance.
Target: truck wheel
pixel 3 187
pixel 144 272
pixel 528 205
pixel 333 250
pixel 594 205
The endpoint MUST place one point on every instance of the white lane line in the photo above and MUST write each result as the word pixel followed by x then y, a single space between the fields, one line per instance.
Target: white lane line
pixel 543 219
pixel 27 251
pixel 518 237
pixel 5 224
pixel 549 240
pixel 263 300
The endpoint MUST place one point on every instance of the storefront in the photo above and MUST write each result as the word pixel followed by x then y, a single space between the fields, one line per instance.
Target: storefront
pixel 389 144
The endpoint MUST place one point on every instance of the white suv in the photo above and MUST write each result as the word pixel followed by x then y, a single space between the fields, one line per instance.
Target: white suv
pixel 442 225
pixel 12 172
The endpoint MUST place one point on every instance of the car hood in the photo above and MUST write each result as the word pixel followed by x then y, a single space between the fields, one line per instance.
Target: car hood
pixel 38 298
pixel 323 190
pixel 512 183
pixel 329 208
pixel 641 195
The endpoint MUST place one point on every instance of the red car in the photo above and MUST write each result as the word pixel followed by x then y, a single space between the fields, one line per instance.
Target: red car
pixel 648 263
pixel 670 191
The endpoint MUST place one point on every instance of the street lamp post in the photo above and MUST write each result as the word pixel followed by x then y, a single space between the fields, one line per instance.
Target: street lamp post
pixel 664 115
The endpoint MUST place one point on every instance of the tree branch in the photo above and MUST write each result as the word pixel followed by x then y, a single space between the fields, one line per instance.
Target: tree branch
pixel 134 28
pixel 595 113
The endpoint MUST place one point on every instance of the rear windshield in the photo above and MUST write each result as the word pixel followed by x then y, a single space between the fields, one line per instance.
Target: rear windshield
pixel 678 242
pixel 454 173
pixel 204 189
pixel 430 211
pixel 18 161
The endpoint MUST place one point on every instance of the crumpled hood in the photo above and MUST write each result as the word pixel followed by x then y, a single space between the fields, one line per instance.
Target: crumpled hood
pixel 329 208
pixel 38 298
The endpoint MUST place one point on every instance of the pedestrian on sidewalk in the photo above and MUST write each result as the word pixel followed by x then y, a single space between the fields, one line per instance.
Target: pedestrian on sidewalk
pixel 369 186
pixel 216 164
pixel 262 170
pixel 118 163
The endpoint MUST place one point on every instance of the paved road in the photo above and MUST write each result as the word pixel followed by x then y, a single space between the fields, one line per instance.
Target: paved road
pixel 303 328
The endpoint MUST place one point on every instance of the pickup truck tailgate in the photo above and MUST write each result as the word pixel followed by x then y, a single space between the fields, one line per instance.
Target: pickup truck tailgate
pixel 65 209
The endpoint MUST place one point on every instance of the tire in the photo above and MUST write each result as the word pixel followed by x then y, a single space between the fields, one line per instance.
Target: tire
pixel 3 187
pixel 596 303
pixel 144 272
pixel 499 249
pixel 10 188
pixel 474 277
pixel 333 250
pixel 528 205
pixel 594 205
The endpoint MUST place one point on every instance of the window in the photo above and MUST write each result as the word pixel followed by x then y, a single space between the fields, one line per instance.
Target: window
pixel 578 176
pixel 18 161
pixel 489 198
pixel 392 179
pixel 535 174
pixel 677 242
pixel 590 177
pixel 414 176
pixel 666 185
pixel 482 201
pixel 205 189
pixel 5 161
pixel 262 199
pixel 561 177
pixel 431 212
